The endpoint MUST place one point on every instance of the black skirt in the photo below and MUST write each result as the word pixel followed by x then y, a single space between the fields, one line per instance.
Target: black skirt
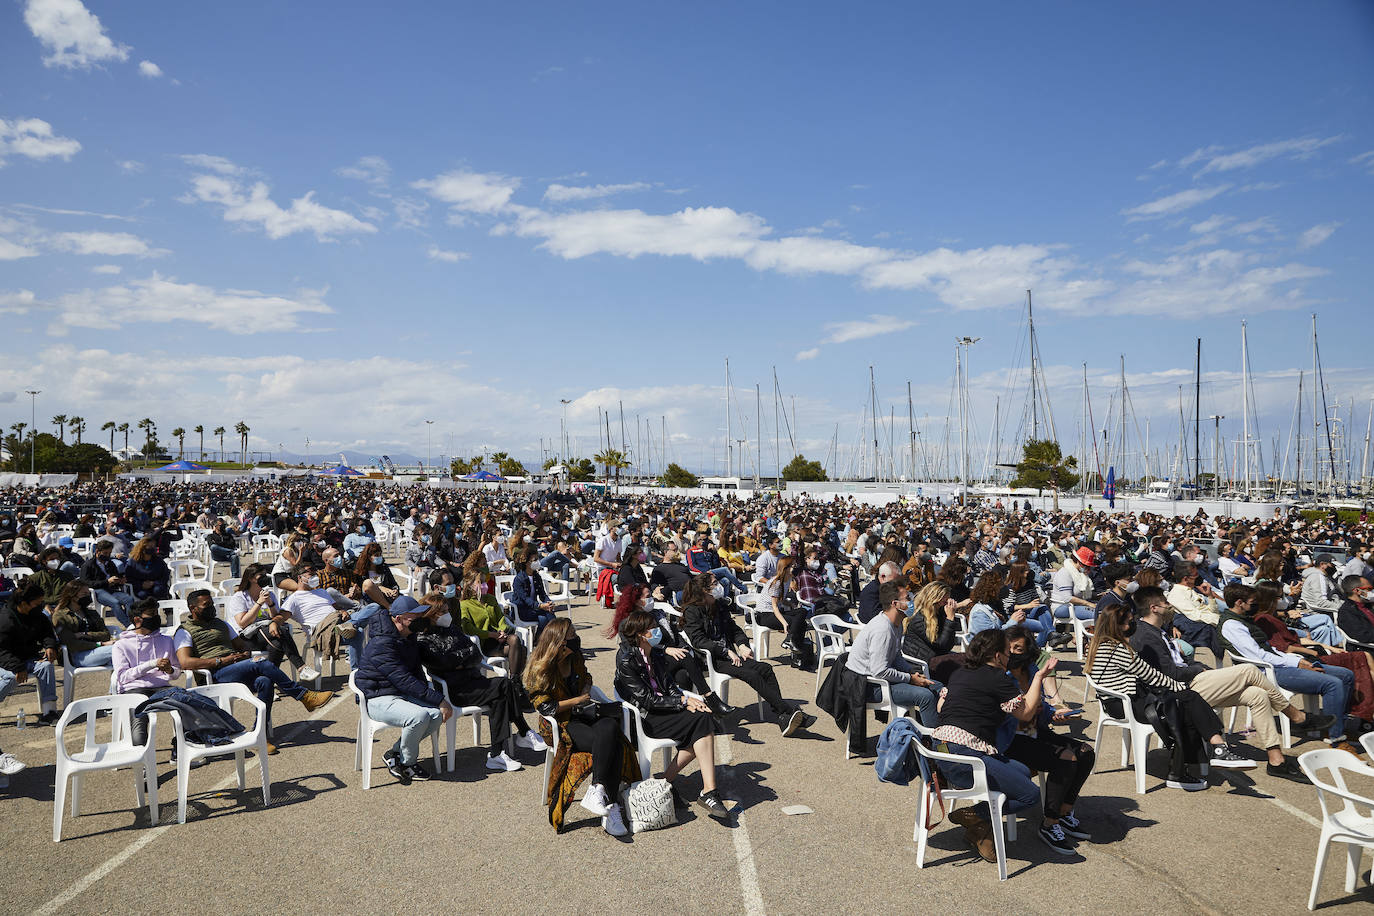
pixel 683 728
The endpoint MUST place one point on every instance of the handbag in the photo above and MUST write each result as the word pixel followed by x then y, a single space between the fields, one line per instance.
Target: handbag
pixel 648 805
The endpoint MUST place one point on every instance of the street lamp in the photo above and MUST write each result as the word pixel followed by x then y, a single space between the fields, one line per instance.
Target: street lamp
pixel 961 345
pixel 429 450
pixel 33 424
pixel 563 445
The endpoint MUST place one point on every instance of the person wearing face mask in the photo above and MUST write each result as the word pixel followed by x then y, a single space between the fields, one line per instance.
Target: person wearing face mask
pixel 1356 614
pixel 876 653
pixel 1319 591
pixel 1183 720
pixel 253 611
pixel 390 675
pixel 206 643
pixel 641 678
pixel 51 577
pixel 448 654
pixel 710 627
pixel 1072 588
pixel 338 576
pixel 81 628
pixel 28 647
pixel 670 577
pixel 356 540
pixel 590 740
pixel 104 578
pixel 420 555
pixel 144 660
pixel 378 583
pixel 329 619
pixel 528 598
pixel 494 552
pixel 223 546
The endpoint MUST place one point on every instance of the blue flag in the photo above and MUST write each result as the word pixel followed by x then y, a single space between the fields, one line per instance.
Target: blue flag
pixel 1109 488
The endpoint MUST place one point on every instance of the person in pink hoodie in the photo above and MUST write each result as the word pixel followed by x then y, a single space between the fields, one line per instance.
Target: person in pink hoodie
pixel 145 659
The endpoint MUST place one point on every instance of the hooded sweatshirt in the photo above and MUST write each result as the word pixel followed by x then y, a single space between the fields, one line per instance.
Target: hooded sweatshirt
pixel 135 660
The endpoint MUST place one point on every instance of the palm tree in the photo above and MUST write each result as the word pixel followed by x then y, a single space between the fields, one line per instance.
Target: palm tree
pixel 60 421
pixel 219 431
pixel 77 425
pixel 180 433
pixel 110 426
pixel 123 428
pixel 613 458
pixel 149 430
pixel 200 430
pixel 242 429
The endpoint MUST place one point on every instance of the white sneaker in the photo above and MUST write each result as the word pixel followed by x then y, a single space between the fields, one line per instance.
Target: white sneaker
pixel 504 762
pixel 10 764
pixel 308 674
pixel 1191 785
pixel 596 801
pixel 613 823
pixel 531 741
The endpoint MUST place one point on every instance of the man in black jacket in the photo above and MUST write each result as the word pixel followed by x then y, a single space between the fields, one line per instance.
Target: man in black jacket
pixel 670 577
pixel 868 596
pixel 1355 616
pixel 28 646
pixel 104 579
pixel 224 547
pixel 390 676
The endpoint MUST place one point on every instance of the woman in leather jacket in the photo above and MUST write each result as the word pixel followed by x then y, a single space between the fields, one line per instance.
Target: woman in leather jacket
pixel 642 678
pixel 931 630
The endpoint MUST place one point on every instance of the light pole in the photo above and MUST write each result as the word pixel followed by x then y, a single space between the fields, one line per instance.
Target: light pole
pixel 961 345
pixel 429 450
pixel 563 430
pixel 33 424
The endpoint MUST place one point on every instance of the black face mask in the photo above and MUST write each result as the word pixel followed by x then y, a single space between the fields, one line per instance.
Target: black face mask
pixel 206 613
pixel 574 643
pixel 150 624
pixel 1018 659
pixel 1129 629
pixel 420 624
pixel 84 602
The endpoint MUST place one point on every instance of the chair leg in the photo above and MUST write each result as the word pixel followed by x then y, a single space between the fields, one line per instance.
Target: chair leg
pixel 262 766
pixel 1141 747
pixel 998 840
pixel 150 773
pixel 76 794
pixel 238 765
pixel 451 735
pixel 1352 865
pixel 59 801
pixel 919 832
pixel 1323 847
pixel 183 782
pixel 365 755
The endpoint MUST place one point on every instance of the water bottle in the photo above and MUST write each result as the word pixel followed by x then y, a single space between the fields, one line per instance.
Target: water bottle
pixel 19 720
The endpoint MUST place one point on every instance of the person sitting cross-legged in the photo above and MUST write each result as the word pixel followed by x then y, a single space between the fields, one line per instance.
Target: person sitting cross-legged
pixel 204 642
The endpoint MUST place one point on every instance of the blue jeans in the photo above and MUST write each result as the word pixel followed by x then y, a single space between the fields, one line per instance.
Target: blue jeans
pixel 913 696
pixel 1040 621
pixel 1082 613
pixel 731 582
pixel 261 677
pixel 226 555
pixel 558 563
pixel 118 602
pixel 359 618
pixel 99 657
pixel 1321 628
pixel 1007 776
pixel 44 677
pixel 1332 683
pixel 415 721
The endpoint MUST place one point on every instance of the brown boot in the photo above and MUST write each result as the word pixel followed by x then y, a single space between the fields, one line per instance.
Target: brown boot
pixel 314 699
pixel 977 833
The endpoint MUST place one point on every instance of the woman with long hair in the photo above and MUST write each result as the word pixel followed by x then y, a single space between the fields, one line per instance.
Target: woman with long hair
pixel 987 612
pixel 372 570
pixel 954 576
pixel 778 610
pixel 931 630
pixel 559 686
pixel 683 665
pixel 641 678
pixel 1112 663
pixel 259 620
pixel 1022 594
pixel 146 572
pixel 81 628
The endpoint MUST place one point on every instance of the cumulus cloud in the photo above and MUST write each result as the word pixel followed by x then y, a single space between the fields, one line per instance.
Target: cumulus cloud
pixel 34 139
pixel 252 205
pixel 1214 160
pixel 107 269
pixel 17 302
pixel 1317 234
pixel 71 34
pixel 471 192
pixel 874 325
pixel 560 193
pixel 158 299
pixel 149 69
pixel 213 163
pixel 129 166
pixel 701 233
pixel 13 251
pixel 808 354
pixel 113 244
pixel 372 169
pixel 452 257
pixel 1174 203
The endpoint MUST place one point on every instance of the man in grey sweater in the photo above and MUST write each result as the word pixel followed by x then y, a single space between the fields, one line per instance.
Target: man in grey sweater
pixel 877 653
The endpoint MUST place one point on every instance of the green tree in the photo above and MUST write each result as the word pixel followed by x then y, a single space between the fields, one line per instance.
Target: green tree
pixel 243 430
pixel 86 458
pixel 613 459
pixel 219 431
pixel 77 425
pixel 124 428
pixel 60 421
pixel 109 426
pixel 801 469
pixel 150 437
pixel 582 470
pixel 509 467
pixel 460 467
pixel 180 434
pixel 1043 465
pixel 200 431
pixel 550 462
pixel 678 476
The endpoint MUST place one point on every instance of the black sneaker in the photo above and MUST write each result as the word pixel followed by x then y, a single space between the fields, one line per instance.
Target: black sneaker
pixel 791 722
pixel 679 800
pixel 1054 837
pixel 390 757
pixel 399 770
pixel 417 772
pixel 1073 827
pixel 1317 725
pixel 712 805
pixel 1222 756
pixel 1289 769
pixel 50 717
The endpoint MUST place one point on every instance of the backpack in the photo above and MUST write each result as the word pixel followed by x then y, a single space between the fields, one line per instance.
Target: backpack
pixel 649 805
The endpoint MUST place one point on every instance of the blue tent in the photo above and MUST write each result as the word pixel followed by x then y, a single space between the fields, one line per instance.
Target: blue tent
pixel 183 466
pixel 341 470
pixel 483 475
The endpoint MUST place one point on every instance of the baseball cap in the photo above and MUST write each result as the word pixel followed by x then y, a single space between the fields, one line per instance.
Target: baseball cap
pixel 404 605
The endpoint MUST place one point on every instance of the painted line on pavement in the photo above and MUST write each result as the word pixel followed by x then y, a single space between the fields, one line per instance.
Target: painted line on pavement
pixel 744 849
pixel 83 883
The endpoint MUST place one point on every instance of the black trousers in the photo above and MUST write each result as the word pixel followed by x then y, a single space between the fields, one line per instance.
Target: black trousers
pixel 602 740
pixel 688 673
pixel 796 631
pixel 758 675
pixel 499 694
pixel 1064 779
pixel 276 647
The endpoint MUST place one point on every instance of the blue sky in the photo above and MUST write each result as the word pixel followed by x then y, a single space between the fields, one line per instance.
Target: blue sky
pixel 340 220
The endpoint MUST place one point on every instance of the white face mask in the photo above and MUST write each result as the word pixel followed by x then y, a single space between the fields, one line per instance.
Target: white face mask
pixel 718 591
pixel 445 620
pixel 53 564
pixel 313 582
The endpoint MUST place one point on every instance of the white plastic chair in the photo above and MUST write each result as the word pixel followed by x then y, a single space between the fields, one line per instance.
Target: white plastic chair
pixel 367 730
pixel 184 587
pixel 70 672
pixel 1284 722
pixel 1135 735
pixel 117 753
pixel 1352 824
pixel 645 746
pixel 1367 742
pixel 16 574
pixel 1080 631
pixel 559 592
pixel 451 726
pixel 758 633
pixel 523 628
pixel 979 791
pixel 256 738
pixel 883 703
pixel 830 632
pixel 551 750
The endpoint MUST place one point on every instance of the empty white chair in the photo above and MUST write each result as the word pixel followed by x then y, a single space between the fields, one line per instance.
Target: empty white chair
pixel 1367 742
pixel 256 738
pixel 979 791
pixel 117 753
pixel 1350 823
pixel 184 587
pixel 367 730
pixel 558 590
pixel 645 746
pixel 16 574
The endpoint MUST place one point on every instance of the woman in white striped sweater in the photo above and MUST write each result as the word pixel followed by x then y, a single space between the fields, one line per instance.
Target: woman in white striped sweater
pixel 1113 664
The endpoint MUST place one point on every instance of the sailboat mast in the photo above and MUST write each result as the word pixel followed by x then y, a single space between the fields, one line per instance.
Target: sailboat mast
pixel 729 445
pixel 758 434
pixel 1034 369
pixel 873 398
pixel 911 431
pixel 1121 441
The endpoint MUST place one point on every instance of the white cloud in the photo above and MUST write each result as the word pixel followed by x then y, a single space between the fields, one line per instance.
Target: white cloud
pixel 806 255
pixel 1174 203
pixel 13 251
pixel 1319 233
pixel 452 257
pixel 130 166
pixel 1210 224
pixel 149 69
pixel 17 302
pixel 372 169
pixel 158 299
pixel 1364 159
pixel 113 244
pixel 809 354
pixel 410 212
pixel 213 163
pixel 845 331
pixel 1217 161
pixel 561 193
pixel 72 34
pixel 696 232
pixel 467 191
pixel 57 211
pixel 34 138
pixel 1207 283
pixel 107 269
pixel 252 205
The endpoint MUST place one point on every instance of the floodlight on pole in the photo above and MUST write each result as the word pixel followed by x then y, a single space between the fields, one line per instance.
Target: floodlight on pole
pixel 33 424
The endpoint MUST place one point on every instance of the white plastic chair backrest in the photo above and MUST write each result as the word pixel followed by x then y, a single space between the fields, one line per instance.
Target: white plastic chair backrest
pixel 119 705
pixel 225 694
pixel 830 630
pixel 16 573
pixel 1367 742
pixel 1336 763
pixel 1128 713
